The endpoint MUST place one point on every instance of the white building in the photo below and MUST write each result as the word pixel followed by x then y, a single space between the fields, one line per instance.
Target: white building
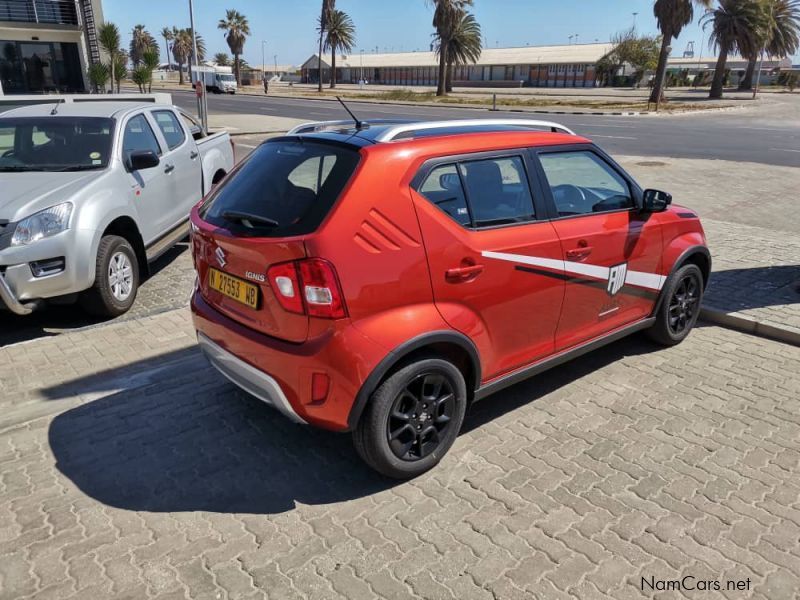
pixel 47 45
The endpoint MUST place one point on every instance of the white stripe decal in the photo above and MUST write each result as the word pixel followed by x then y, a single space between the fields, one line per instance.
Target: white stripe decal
pixel 652 281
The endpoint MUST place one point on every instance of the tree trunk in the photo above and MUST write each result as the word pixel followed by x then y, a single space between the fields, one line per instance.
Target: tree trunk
pixel 747 81
pixel 180 73
pixel 169 58
pixel 112 73
pixel 441 87
pixel 719 75
pixel 319 55
pixel 236 69
pixel 658 87
pixel 448 84
pixel 333 68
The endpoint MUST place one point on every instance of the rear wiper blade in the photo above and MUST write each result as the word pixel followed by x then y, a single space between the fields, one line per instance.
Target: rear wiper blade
pixel 249 219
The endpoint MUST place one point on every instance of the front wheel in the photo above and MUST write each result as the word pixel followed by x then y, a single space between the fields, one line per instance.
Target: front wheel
pixel 412 419
pixel 680 306
pixel 116 279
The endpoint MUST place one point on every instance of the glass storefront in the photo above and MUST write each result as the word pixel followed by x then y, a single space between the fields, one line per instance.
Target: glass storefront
pixel 40 67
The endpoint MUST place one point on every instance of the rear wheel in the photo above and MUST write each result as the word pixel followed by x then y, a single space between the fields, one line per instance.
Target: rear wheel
pixel 412 419
pixel 680 307
pixel 116 279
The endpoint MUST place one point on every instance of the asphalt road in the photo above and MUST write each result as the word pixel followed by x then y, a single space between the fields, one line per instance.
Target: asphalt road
pixel 768 135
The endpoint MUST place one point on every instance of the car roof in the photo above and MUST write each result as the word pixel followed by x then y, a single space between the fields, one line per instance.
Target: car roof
pixel 92 108
pixel 391 130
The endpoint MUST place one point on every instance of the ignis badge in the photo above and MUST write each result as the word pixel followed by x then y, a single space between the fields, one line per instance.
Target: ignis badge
pixel 616 278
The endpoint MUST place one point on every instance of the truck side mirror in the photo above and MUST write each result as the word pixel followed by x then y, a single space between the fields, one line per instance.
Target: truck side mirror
pixel 139 160
pixel 655 201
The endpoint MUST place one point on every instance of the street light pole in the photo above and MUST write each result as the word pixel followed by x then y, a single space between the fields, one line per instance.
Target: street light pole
pixel 202 101
pixel 263 60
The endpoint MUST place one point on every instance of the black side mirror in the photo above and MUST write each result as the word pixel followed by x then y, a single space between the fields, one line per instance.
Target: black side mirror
pixel 142 159
pixel 655 201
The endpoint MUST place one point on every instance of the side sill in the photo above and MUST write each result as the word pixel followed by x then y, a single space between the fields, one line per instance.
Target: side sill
pixel 559 359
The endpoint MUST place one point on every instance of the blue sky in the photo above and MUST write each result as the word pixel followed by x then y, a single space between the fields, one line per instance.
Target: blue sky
pixel 288 26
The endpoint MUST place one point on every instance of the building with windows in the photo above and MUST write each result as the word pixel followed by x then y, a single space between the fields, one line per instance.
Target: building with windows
pixel 47 45
pixel 529 66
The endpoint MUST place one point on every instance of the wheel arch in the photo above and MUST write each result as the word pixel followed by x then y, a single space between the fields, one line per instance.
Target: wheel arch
pixel 125 227
pixel 696 255
pixel 451 345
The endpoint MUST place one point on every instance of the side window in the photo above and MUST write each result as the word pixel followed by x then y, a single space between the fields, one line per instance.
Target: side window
pixel 139 136
pixel 583 183
pixel 443 188
pixel 168 124
pixel 497 191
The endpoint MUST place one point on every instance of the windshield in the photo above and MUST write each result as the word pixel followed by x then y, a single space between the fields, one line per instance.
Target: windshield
pixel 284 188
pixel 52 143
pixel 226 78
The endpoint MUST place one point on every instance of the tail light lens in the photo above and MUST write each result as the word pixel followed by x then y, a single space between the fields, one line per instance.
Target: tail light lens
pixel 308 286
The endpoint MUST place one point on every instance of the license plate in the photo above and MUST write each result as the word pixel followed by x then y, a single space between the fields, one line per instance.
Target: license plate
pixel 233 287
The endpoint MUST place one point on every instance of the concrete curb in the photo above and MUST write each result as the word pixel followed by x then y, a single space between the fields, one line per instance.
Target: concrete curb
pixel 745 324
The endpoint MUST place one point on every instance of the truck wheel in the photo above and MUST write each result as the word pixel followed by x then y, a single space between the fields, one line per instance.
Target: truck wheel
pixel 116 279
pixel 680 306
pixel 412 419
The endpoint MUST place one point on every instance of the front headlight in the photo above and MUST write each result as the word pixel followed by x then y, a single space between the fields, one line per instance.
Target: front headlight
pixel 43 224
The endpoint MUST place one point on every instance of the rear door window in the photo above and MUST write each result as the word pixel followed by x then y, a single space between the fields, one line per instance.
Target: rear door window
pixel 288 186
pixel 168 124
pixel 443 188
pixel 498 191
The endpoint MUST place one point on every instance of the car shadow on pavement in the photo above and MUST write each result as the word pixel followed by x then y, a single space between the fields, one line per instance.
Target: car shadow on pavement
pixel 179 437
pixel 754 287
pixel 56 319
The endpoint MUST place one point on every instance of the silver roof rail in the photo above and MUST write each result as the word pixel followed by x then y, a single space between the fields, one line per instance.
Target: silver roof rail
pixel 394 132
pixel 318 126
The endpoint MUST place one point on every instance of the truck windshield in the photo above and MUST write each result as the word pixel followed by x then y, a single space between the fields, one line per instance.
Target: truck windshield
pixel 51 143
pixel 226 78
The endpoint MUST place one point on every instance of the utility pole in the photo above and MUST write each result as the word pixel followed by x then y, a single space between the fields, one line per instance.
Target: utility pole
pixel 634 19
pixel 202 100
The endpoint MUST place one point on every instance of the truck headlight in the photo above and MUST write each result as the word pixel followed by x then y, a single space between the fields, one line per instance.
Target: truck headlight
pixel 42 224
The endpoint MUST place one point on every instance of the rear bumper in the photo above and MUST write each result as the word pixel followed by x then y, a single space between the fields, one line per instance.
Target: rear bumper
pixel 281 373
pixel 247 377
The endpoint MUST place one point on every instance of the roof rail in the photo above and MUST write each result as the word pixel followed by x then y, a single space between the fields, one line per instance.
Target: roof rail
pixel 393 133
pixel 318 126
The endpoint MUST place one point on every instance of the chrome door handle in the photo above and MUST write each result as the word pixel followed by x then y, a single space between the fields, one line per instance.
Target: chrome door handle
pixel 194 154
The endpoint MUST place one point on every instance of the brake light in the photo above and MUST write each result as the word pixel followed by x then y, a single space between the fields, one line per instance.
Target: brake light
pixel 285 283
pixel 321 290
pixel 309 286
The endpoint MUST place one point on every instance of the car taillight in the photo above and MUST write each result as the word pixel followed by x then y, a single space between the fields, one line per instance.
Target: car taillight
pixel 309 286
pixel 285 283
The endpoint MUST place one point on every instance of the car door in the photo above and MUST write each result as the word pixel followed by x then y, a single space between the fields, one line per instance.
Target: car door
pixel 182 166
pixel 611 250
pixel 148 187
pixel 479 224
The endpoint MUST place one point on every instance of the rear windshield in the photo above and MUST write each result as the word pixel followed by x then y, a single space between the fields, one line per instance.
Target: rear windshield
pixel 287 186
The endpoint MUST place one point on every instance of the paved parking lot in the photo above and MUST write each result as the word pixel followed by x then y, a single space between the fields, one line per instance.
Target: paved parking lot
pixel 131 470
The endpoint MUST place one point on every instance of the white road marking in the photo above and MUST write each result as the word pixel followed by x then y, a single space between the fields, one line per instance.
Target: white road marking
pixel 784 150
pixel 613 137
pixel 600 125
pixel 245 145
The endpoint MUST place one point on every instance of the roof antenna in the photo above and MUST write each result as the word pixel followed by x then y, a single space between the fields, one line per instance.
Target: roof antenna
pixel 55 108
pixel 359 124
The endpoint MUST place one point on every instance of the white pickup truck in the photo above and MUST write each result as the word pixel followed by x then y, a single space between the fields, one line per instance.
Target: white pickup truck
pixel 91 193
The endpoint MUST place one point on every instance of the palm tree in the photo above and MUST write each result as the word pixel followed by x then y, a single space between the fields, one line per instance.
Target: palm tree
pixel 780 35
pixel 183 50
pixel 340 35
pixel 328 6
pixel 108 36
pixel 237 27
pixel 447 15
pixel 734 26
pixel 98 76
pixel 141 42
pixel 465 46
pixel 120 68
pixel 672 16
pixel 166 33
pixel 150 61
pixel 222 59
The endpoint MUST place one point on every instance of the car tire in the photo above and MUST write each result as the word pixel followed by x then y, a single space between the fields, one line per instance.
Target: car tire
pixel 116 279
pixel 679 307
pixel 402 402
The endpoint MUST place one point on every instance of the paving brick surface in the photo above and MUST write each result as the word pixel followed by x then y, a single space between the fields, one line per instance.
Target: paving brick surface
pixel 132 470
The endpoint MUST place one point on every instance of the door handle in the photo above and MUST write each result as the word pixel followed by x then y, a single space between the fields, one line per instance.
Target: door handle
pixel 194 154
pixel 169 168
pixel 462 274
pixel 579 253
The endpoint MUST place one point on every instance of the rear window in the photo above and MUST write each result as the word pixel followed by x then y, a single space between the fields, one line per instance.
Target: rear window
pixel 288 186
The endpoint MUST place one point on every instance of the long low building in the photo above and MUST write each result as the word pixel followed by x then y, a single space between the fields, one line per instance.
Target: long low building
pixel 528 66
